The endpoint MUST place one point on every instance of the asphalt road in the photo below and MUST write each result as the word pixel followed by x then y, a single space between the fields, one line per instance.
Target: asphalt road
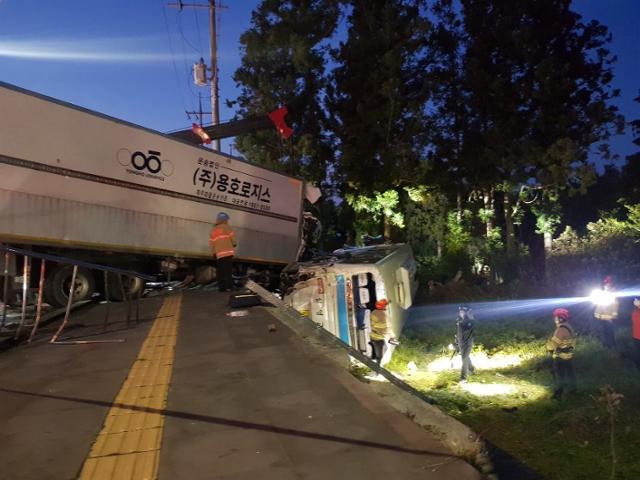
pixel 244 401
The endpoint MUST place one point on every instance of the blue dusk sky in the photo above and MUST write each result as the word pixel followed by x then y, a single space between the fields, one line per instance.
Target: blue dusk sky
pixel 132 59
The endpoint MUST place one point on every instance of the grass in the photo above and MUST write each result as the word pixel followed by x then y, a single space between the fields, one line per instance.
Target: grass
pixel 508 399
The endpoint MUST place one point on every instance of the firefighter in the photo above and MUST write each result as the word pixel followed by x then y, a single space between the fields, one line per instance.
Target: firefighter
pixel 635 331
pixel 380 331
pixel 222 242
pixel 561 346
pixel 606 313
pixel 464 341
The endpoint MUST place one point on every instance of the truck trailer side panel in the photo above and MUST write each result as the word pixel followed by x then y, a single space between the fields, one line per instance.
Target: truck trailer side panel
pixel 37 220
pixel 74 177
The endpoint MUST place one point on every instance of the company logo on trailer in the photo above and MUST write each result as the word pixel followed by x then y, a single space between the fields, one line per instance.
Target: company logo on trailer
pixel 148 165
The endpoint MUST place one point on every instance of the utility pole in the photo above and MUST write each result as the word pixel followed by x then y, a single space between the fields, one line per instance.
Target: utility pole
pixel 215 108
pixel 213 34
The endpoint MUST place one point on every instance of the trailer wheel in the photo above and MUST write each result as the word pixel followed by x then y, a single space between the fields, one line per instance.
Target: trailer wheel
pixel 56 286
pixel 132 286
pixel 205 274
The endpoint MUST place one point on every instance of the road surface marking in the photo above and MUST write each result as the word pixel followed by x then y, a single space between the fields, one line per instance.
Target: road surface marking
pixel 128 446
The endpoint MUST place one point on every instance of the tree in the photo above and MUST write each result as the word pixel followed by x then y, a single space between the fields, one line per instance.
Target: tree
pixel 631 171
pixel 448 124
pixel 547 210
pixel 377 96
pixel 426 218
pixel 283 62
pixel 381 207
pixel 536 88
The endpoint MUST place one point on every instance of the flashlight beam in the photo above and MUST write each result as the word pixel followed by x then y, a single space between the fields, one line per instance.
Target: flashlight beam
pixel 96 50
pixel 496 309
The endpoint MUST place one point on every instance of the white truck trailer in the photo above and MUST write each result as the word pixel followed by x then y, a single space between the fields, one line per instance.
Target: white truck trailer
pixel 78 183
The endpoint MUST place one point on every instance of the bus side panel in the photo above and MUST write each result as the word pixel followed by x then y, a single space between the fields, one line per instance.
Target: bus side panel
pixel 343 317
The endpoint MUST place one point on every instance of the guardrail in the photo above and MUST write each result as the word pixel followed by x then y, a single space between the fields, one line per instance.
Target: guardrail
pixel 29 255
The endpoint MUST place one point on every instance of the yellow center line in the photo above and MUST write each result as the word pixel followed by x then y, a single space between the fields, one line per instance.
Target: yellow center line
pixel 128 446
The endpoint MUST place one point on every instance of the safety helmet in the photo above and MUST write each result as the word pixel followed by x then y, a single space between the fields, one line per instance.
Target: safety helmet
pixel 222 217
pixel 636 302
pixel 382 304
pixel 561 313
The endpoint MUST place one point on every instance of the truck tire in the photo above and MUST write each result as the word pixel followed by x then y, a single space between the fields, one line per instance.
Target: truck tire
pixel 132 286
pixel 56 286
pixel 205 274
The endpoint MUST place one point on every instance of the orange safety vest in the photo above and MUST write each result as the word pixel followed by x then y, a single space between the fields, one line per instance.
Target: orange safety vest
pixel 223 241
pixel 635 320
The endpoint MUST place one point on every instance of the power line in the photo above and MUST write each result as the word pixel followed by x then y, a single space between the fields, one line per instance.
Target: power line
pixel 184 38
pixel 173 58
pixel 195 14
pixel 187 68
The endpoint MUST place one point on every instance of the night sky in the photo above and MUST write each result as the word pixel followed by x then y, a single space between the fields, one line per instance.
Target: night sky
pixel 132 60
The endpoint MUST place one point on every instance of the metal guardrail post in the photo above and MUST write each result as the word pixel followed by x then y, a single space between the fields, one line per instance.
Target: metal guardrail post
pixel 36 323
pixel 138 305
pixel 69 302
pixel 106 298
pixel 129 300
pixel 55 340
pixel 25 292
pixel 5 289
pixel 29 255
pixel 124 298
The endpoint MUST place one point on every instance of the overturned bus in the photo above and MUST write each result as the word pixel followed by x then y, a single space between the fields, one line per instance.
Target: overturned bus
pixel 339 291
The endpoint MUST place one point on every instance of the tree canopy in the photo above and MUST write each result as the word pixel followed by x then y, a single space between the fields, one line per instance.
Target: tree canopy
pixel 493 110
pixel 283 63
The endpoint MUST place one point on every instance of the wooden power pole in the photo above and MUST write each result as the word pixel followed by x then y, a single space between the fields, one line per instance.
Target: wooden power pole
pixel 213 34
pixel 215 107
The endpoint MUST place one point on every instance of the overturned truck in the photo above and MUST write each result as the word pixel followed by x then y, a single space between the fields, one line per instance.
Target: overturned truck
pixel 339 291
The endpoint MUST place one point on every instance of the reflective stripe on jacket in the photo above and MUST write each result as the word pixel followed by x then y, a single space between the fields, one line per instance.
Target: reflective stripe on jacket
pixel 607 312
pixel 223 241
pixel 379 325
pixel 563 342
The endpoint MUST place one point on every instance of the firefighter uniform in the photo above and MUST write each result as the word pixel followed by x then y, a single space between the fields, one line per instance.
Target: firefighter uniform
pixel 606 315
pixel 561 346
pixel 222 241
pixel 464 340
pixel 380 331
